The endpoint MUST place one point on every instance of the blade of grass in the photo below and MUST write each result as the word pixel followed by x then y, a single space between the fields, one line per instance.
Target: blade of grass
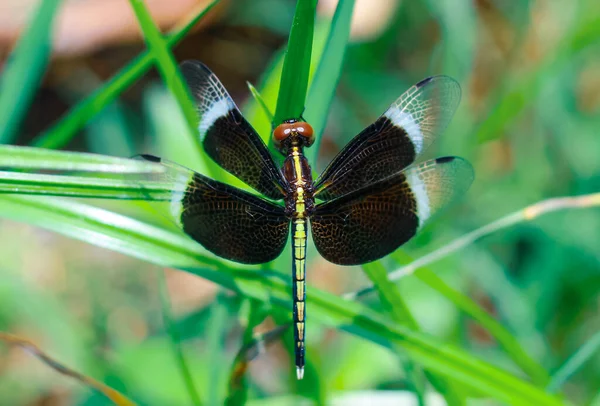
pixel 223 314
pixel 165 304
pixel 588 350
pixel 252 315
pixel 24 70
pixel 327 76
pixel 115 396
pixel 510 344
pixel 296 64
pixel 84 187
pixel 166 65
pixel 237 388
pixel 68 126
pixel 528 213
pixel 17 157
pixel 269 88
pixel 261 102
pixel 166 248
pixel 395 305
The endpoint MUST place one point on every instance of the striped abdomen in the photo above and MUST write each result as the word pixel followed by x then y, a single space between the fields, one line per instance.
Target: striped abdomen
pixel 299 235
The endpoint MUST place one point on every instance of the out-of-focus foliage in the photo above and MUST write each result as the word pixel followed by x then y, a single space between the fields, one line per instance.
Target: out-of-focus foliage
pixel 529 122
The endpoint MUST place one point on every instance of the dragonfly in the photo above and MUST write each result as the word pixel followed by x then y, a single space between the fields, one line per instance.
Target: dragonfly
pixel 370 199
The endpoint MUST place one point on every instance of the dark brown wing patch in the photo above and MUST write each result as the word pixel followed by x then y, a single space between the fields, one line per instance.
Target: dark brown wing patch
pixel 394 141
pixel 370 223
pixel 227 221
pixel 226 135
pixel 366 225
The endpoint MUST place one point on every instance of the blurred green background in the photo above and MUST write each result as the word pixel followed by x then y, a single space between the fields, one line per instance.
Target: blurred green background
pixel 529 122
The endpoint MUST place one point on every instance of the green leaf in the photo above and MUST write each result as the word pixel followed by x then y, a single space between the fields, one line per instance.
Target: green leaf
pixel 327 76
pixel 175 338
pixel 165 248
pixel 67 127
pixel 167 66
pixel 585 353
pixel 17 157
pixel 252 313
pixel 504 337
pixel 395 305
pixel 79 186
pixel 261 102
pixel 24 70
pixel 296 65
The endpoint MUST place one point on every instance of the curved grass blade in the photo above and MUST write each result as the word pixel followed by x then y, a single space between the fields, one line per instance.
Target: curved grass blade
pixel 269 88
pixel 175 338
pixel 587 351
pixel 68 126
pixel 120 233
pixel 83 187
pixel 254 312
pixel 167 66
pixel 395 305
pixel 24 70
pixel 261 102
pixel 17 157
pixel 510 344
pixel 115 396
pixel 296 65
pixel 327 76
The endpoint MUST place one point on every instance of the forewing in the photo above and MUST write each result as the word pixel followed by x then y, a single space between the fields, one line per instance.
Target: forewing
pixel 226 135
pixel 229 222
pixel 394 140
pixel 370 223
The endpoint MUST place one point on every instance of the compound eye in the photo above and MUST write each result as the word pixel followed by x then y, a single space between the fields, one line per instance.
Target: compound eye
pixel 306 131
pixel 281 133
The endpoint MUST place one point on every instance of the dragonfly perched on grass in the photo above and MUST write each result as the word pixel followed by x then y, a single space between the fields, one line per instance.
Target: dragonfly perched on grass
pixel 371 199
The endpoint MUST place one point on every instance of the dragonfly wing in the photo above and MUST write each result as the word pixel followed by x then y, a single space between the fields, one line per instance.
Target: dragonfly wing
pixel 227 221
pixel 370 223
pixel 394 141
pixel 226 135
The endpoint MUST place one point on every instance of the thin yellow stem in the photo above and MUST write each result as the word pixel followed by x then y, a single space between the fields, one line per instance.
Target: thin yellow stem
pixel 526 214
pixel 116 397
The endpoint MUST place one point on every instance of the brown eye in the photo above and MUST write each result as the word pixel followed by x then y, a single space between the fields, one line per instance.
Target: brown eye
pixel 282 132
pixel 305 130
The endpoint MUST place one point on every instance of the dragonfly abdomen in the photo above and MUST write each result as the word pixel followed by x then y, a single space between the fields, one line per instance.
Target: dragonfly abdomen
pixel 299 235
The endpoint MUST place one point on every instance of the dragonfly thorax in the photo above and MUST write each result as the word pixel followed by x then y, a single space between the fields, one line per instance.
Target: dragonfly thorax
pixel 298 174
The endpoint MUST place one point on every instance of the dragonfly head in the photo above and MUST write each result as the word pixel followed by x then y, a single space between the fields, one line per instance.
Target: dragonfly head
pixel 293 132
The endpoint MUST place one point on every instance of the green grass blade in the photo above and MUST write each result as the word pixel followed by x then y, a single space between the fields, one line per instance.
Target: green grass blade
pixel 167 66
pixel 67 127
pixel 586 352
pixel 261 102
pixel 392 301
pixel 17 157
pixel 78 186
pixel 165 248
pixel 327 76
pixel 389 295
pixel 24 70
pixel 252 313
pixel 504 337
pixel 296 65
pixel 165 304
